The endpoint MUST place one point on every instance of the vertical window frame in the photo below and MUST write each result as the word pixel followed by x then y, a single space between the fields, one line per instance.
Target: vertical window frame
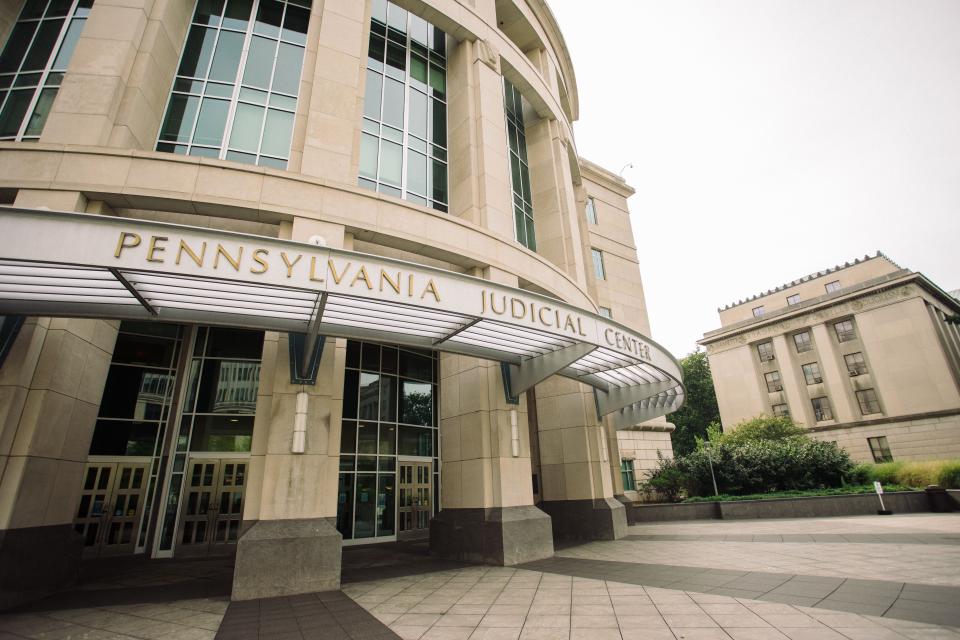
pixel 822 411
pixel 869 401
pixel 521 203
pixel 590 210
pixel 880 449
pixel 599 267
pixel 41 86
pixel 234 100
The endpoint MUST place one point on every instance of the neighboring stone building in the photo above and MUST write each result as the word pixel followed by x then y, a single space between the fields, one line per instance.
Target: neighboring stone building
pixel 865 355
pixel 277 278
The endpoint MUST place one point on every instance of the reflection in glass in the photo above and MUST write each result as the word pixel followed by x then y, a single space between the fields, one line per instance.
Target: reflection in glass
pixel 369 396
pixel 222 433
pixel 365 506
pixel 416 403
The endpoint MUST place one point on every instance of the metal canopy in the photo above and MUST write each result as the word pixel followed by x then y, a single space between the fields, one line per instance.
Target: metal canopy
pixel 78 265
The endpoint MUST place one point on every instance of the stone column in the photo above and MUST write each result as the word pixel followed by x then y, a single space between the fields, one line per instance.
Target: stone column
pixel 116 87
pixel 290 543
pixel 487 513
pixel 574 459
pixel 333 94
pixel 794 387
pixel 479 163
pixel 834 375
pixel 50 389
pixel 555 210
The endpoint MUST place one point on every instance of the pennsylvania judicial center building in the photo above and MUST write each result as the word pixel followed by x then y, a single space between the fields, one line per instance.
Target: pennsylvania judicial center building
pixel 279 278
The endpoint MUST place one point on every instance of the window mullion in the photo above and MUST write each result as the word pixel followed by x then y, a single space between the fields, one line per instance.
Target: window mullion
pixel 235 96
pixel 405 145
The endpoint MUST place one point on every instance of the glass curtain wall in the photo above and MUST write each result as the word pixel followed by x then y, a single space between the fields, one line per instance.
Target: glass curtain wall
pixel 403 149
pixel 235 93
pixel 519 169
pixel 219 407
pixel 33 63
pixel 389 410
pixel 136 400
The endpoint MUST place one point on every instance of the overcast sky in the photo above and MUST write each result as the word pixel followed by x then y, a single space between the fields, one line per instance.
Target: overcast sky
pixel 771 139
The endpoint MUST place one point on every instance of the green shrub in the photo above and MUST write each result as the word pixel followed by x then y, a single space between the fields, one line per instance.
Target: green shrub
pixel 860 474
pixel 835 491
pixel 767 455
pixel 949 475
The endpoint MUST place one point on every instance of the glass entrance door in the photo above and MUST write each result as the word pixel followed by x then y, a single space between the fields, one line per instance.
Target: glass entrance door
pixel 213 506
pixel 111 506
pixel 414 504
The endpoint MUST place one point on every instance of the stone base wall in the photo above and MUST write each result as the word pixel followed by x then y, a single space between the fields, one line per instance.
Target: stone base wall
pixel 931 438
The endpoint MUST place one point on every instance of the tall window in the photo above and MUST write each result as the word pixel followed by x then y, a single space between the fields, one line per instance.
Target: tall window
pixel 235 94
pixel 389 410
pixel 811 372
pixel 627 474
pixel 867 398
pixel 856 365
pixel 845 331
pixel 598 269
pixel 802 341
pixel 591 210
pixel 519 169
pixel 773 381
pixel 33 63
pixel 765 351
pixel 821 409
pixel 781 410
pixel 880 449
pixel 403 149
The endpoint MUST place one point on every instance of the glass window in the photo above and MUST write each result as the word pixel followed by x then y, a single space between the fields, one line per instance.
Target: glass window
pixel 832 286
pixel 802 341
pixel 773 381
pixel 227 116
pixel 393 391
pixel 781 410
pixel 758 311
pixel 34 60
pixel 591 210
pixel 845 331
pixel 794 299
pixel 856 365
pixel 598 268
pixel 821 409
pixel 519 169
pixel 880 449
pixel 627 474
pixel 867 398
pixel 605 312
pixel 405 94
pixel 765 351
pixel 811 373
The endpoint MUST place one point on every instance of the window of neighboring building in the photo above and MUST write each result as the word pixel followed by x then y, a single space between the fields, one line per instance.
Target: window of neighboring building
pixel 773 381
pixel 219 108
pixel 758 311
pixel 821 409
pixel 880 449
pixel 598 269
pixel 33 62
pixel 765 351
pixel 811 372
pixel 794 299
pixel 845 331
pixel 605 312
pixel 627 473
pixel 855 363
pixel 868 401
pixel 519 169
pixel 781 410
pixel 802 341
pixel 403 147
pixel 832 286
pixel 591 211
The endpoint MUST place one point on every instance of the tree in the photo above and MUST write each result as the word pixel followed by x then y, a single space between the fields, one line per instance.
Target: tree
pixel 700 408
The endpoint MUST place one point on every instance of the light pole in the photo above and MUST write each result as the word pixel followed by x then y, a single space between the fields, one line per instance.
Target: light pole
pixel 712 476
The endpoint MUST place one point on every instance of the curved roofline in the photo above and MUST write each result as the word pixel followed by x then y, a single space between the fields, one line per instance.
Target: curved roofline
pixel 552 28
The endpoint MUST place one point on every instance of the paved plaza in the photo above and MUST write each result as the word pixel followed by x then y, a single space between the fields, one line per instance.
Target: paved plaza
pixel 884 578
